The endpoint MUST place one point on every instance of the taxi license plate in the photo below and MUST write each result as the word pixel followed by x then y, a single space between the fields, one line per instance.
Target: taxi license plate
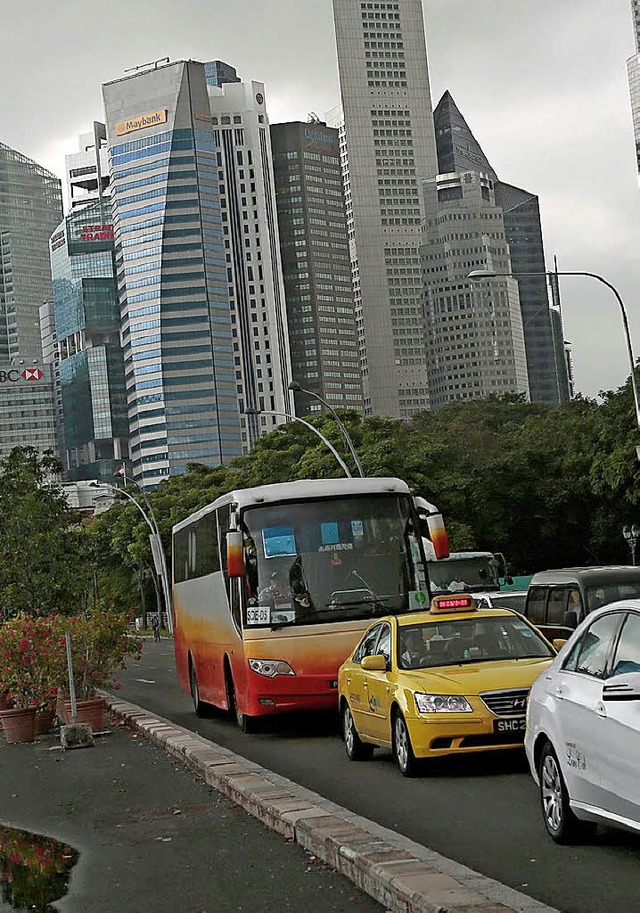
pixel 517 724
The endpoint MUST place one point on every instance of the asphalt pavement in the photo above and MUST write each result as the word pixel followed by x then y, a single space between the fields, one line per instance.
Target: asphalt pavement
pixel 480 810
pixel 150 836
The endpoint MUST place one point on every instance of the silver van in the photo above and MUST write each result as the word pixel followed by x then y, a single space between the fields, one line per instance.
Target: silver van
pixel 557 601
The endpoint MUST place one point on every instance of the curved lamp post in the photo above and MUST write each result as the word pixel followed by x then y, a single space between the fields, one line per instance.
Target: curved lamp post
pixel 477 274
pixel 294 418
pixel 295 387
pixel 161 560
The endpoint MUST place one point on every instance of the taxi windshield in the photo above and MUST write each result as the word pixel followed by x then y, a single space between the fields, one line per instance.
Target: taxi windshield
pixel 469 640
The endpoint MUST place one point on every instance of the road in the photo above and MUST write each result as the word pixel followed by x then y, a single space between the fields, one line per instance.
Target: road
pixel 479 810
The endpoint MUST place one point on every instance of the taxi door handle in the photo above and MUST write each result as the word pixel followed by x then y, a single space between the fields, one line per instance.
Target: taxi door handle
pixel 365 685
pixel 348 681
pixel 560 693
pixel 388 688
pixel 600 709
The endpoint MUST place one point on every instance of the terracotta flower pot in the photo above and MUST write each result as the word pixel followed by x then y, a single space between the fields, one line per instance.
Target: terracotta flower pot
pixel 90 712
pixel 44 720
pixel 19 724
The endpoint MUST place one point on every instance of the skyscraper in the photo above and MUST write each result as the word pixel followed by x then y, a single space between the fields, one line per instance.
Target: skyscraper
pixel 30 209
pixel 27 409
pixel 388 150
pixel 88 169
pixel 475 340
pixel 633 70
pixel 460 152
pixel 90 372
pixel 252 251
pixel 316 263
pixel 172 271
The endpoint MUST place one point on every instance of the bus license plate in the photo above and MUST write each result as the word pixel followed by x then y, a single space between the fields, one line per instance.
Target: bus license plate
pixel 259 615
pixel 515 725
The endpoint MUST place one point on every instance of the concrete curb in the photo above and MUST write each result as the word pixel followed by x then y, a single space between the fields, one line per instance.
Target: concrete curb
pixel 398 873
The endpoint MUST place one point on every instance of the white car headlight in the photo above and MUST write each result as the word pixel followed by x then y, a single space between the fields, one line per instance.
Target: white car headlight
pixel 442 703
pixel 270 667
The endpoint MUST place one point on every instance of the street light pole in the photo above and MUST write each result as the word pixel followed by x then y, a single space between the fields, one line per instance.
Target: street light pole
pixel 295 387
pixel 161 563
pixel 477 274
pixel 294 418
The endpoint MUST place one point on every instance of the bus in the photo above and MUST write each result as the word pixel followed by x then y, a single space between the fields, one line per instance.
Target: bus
pixel 273 586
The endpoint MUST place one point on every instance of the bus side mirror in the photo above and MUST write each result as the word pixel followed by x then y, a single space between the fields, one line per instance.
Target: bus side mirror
pixel 235 556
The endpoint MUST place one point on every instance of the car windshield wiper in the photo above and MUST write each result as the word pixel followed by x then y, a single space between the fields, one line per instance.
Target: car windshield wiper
pixel 330 610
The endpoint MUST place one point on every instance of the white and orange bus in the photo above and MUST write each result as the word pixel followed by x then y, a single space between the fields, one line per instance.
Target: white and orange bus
pixel 273 586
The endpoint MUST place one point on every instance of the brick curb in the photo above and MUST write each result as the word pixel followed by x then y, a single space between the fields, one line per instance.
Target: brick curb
pixel 383 864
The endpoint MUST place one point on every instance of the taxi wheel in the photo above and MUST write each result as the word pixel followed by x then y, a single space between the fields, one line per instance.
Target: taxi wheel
pixel 356 749
pixel 402 748
pixel 561 823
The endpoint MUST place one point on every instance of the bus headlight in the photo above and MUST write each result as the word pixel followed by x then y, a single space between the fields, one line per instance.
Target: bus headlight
pixel 270 667
pixel 442 703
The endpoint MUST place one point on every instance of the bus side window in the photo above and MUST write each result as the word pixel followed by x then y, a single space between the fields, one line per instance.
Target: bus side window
pixel 224 518
pixel 180 556
pixel 207 556
pixel 536 605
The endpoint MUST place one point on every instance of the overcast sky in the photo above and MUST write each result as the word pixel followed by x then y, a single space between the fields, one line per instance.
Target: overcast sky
pixel 542 84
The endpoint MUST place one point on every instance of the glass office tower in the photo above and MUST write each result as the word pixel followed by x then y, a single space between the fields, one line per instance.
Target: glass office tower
pixel 316 264
pixel 30 209
pixel 172 275
pixel 90 371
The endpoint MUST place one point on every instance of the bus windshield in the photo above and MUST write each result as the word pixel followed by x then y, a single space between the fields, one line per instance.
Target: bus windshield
pixel 464 575
pixel 331 559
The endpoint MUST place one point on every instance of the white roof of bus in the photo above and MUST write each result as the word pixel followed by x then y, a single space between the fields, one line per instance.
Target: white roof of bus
pixel 296 491
pixel 462 556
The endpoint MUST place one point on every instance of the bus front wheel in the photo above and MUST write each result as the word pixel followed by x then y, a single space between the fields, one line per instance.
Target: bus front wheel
pixel 246 723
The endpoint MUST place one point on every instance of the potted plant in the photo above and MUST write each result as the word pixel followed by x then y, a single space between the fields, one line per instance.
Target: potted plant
pixel 100 644
pixel 23 643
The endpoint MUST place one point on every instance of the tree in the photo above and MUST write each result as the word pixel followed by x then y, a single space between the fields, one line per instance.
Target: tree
pixel 42 560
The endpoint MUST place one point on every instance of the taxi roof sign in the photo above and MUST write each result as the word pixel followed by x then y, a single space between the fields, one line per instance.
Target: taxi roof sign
pixel 444 604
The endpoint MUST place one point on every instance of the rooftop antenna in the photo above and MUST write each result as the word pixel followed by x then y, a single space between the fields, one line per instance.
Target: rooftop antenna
pixel 152 63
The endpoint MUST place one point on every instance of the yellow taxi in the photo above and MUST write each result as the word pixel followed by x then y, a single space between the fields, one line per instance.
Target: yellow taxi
pixel 451 680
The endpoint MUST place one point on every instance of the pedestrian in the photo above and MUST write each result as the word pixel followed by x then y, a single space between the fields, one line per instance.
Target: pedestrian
pixel 155 624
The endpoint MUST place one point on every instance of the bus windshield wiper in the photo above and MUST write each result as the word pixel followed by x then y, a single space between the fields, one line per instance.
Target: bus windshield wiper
pixel 330 610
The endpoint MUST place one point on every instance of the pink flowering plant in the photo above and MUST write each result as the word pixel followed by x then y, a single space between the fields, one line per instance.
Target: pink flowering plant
pixel 100 644
pixel 29 661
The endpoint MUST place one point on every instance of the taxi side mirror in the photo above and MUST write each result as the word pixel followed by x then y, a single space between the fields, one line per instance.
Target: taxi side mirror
pixel 376 663
pixel 558 643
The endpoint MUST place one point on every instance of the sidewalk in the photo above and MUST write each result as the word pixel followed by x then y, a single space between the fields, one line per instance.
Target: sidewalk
pixel 153 837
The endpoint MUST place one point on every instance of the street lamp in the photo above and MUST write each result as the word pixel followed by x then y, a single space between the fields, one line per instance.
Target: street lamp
pixel 632 534
pixel 157 549
pixel 294 418
pixel 490 274
pixel 295 387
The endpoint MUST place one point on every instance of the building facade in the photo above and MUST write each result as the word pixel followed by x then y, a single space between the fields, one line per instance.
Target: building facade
pixel 26 405
pixel 459 152
pixel 633 71
pixel 30 208
pixel 90 365
pixel 87 170
pixel 475 335
pixel 255 283
pixel 172 271
pixel 388 150
pixel 317 265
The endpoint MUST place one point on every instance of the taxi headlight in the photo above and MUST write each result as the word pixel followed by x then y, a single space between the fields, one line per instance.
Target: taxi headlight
pixel 270 667
pixel 442 703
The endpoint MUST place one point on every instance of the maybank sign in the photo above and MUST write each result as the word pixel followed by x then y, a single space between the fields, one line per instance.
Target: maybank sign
pixel 141 121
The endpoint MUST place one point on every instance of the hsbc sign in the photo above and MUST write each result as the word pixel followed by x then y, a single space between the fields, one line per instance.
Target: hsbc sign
pixel 13 376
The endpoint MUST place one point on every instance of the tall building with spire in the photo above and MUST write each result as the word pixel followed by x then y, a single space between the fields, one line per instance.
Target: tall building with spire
pixel 388 150
pixel 633 70
pixel 459 152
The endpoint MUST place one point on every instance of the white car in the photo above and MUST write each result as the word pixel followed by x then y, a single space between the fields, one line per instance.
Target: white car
pixel 583 727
